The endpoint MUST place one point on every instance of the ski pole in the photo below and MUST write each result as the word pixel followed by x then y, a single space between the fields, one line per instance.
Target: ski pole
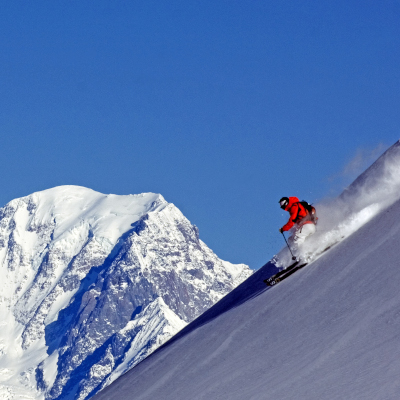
pixel 293 257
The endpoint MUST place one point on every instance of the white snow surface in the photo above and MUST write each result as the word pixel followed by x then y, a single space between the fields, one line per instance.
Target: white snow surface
pixel 92 284
pixel 330 331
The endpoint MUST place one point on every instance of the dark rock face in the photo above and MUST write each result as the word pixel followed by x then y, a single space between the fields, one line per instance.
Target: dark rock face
pixel 96 283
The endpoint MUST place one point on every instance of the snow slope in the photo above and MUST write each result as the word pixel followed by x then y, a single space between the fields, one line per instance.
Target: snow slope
pixel 92 283
pixel 330 331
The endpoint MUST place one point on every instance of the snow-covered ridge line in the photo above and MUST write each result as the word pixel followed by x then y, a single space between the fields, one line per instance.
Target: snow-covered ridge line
pixel 108 216
pixel 93 283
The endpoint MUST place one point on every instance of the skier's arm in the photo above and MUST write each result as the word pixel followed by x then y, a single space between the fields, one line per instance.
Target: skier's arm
pixel 293 214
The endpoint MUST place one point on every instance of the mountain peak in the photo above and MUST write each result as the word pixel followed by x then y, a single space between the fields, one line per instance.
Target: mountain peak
pixel 107 216
pixel 93 283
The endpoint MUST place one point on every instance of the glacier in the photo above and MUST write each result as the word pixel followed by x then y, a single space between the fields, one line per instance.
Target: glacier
pixel 330 331
pixel 92 284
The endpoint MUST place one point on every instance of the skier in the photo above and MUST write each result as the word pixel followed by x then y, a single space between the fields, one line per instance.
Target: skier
pixel 301 219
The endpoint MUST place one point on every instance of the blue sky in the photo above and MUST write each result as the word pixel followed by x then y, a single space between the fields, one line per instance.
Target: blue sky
pixel 223 107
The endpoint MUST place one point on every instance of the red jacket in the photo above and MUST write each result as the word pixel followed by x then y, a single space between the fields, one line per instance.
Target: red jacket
pixel 297 214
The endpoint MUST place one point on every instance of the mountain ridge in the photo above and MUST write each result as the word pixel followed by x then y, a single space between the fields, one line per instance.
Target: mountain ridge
pixel 93 284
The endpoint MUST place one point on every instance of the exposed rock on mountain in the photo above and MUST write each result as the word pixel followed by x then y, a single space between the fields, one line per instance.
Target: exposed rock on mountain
pixel 93 283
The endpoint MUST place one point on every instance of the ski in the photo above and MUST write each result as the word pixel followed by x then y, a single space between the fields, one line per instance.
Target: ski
pixel 286 273
pixel 281 275
pixel 278 274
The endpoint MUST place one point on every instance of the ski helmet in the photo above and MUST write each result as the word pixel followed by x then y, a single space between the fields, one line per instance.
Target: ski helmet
pixel 284 201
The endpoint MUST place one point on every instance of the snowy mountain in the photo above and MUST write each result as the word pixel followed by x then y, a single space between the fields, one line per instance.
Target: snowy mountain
pixel 330 331
pixel 92 284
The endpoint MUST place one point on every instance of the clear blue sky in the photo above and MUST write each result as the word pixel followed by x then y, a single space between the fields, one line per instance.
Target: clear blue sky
pixel 221 106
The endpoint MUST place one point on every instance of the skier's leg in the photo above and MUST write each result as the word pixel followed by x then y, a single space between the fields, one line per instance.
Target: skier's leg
pixel 299 236
pixel 305 231
pixel 294 243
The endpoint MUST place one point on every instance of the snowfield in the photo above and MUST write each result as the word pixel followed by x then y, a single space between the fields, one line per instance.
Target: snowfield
pixel 330 331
